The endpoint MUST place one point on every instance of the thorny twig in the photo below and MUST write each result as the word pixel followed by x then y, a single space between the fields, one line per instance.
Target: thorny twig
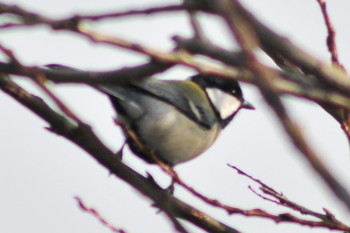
pixel 280 199
pixel 326 220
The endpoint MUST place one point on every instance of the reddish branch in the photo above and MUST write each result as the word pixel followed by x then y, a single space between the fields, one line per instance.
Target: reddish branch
pixel 344 115
pixel 331 42
pixel 96 214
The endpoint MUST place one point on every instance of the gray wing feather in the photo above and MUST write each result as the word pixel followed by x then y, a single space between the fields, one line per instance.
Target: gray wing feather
pixel 126 99
pixel 168 91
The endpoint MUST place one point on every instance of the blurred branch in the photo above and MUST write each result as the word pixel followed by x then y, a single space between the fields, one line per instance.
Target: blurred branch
pixel 148 11
pixel 177 57
pixel 269 39
pixel 196 25
pixel 71 75
pixel 284 82
pixel 276 45
pixel 30 18
pixel 40 79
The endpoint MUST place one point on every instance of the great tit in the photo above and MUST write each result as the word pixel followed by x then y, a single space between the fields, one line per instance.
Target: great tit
pixel 173 121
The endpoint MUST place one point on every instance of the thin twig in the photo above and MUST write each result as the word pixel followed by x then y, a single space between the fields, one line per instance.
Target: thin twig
pixel 284 201
pixel 196 26
pixel 332 48
pixel 30 18
pixel 147 11
pixel 97 215
pixel 331 42
pixel 40 81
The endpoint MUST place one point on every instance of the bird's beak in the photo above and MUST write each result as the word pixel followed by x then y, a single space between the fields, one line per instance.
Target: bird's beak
pixel 247 105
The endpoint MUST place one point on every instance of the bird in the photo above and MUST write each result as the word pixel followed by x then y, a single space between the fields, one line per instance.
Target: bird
pixel 174 121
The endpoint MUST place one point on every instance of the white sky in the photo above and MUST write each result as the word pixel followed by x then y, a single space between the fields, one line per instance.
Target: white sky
pixel 40 173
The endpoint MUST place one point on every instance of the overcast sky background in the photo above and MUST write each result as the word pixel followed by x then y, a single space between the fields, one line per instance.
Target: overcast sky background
pixel 40 173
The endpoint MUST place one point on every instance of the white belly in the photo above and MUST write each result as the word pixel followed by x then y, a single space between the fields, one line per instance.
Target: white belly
pixel 174 137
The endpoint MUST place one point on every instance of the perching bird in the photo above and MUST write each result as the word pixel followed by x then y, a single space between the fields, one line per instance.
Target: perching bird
pixel 174 120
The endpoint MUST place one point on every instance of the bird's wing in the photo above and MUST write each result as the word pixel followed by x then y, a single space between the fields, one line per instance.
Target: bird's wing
pixel 196 106
pixel 124 100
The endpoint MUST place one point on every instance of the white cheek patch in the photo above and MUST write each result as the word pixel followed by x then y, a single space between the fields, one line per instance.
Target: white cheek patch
pixel 225 103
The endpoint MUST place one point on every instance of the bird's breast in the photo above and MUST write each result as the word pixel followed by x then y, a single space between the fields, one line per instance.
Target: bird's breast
pixel 174 137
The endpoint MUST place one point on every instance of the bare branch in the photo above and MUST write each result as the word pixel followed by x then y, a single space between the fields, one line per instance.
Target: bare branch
pixel 71 75
pixel 30 18
pixel 148 11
